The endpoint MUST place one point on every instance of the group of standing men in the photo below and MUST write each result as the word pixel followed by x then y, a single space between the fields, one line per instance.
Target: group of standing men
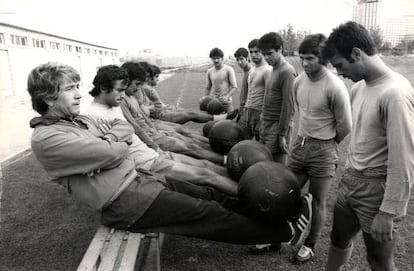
pixel 102 160
pixel 377 111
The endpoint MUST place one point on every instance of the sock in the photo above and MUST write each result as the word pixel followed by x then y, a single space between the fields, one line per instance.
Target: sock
pixel 338 257
pixel 224 159
pixel 220 117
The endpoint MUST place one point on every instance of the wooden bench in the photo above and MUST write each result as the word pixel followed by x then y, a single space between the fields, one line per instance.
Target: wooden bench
pixel 112 249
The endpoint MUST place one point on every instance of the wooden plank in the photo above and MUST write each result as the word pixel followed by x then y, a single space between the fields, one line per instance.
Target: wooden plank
pixel 110 254
pixel 153 258
pixel 93 252
pixel 131 251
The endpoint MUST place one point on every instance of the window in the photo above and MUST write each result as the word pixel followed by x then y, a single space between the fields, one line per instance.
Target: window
pixel 38 43
pixel 100 52
pixel 78 49
pixel 88 51
pixel 106 53
pixel 95 52
pixel 18 40
pixel 67 47
pixel 54 45
pixel 2 41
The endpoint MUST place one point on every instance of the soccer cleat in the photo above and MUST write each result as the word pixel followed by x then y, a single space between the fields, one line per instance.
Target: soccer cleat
pixel 260 249
pixel 231 115
pixel 301 226
pixel 304 254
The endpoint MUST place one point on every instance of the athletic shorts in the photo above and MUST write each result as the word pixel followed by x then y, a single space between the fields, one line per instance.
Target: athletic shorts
pixel 269 131
pixel 360 197
pixel 314 157
pixel 163 163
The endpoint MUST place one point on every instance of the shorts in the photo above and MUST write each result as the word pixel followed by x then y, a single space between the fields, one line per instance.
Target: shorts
pixel 269 131
pixel 314 157
pixel 163 163
pixel 251 122
pixel 360 197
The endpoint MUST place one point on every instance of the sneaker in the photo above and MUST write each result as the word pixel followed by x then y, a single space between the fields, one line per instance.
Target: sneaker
pixel 260 249
pixel 304 254
pixel 231 115
pixel 301 226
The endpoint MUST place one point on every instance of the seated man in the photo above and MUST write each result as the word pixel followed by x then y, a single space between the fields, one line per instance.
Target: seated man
pixel 147 94
pixel 99 171
pixel 104 99
pixel 110 83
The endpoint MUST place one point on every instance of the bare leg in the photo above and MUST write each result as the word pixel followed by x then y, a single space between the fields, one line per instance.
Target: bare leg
pixel 202 163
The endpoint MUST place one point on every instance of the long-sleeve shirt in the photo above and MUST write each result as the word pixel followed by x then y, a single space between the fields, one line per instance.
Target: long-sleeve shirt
pixel 278 100
pixel 324 106
pixel 382 137
pixel 133 114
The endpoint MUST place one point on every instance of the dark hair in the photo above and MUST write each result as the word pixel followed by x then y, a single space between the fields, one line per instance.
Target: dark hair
pixel 313 44
pixel 135 70
pixel 43 83
pixel 105 78
pixel 271 40
pixel 216 52
pixel 346 37
pixel 154 70
pixel 241 52
pixel 253 43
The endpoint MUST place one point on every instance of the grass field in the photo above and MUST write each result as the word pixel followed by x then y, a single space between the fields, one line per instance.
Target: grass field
pixel 42 228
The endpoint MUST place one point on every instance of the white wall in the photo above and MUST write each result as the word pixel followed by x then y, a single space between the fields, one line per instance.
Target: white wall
pixel 16 62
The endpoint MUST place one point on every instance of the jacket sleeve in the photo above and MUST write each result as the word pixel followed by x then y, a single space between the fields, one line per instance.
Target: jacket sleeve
pixel 64 153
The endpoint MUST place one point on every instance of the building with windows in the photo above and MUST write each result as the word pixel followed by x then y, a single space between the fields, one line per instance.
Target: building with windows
pixel 22 49
pixel 399 29
pixel 369 13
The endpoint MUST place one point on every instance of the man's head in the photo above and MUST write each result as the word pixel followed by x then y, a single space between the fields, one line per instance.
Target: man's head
pixel 137 75
pixel 109 85
pixel 255 54
pixel 345 47
pixel 54 90
pixel 271 46
pixel 242 57
pixel 154 75
pixel 310 53
pixel 216 55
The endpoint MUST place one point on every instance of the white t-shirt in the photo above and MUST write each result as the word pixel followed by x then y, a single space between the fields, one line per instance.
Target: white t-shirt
pixel 142 154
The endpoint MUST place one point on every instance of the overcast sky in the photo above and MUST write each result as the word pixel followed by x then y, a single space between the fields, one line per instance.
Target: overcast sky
pixel 180 27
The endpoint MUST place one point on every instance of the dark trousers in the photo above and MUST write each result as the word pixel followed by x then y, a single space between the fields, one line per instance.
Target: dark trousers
pixel 190 210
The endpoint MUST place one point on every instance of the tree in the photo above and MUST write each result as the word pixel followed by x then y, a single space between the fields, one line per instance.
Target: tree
pixel 291 39
pixel 376 35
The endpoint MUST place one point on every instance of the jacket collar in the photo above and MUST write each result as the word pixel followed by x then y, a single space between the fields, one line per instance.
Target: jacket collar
pixel 50 120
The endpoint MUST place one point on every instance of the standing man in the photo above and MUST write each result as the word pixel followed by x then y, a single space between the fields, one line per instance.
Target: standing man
pixel 374 191
pixel 324 120
pixel 221 80
pixel 242 58
pixel 258 78
pixel 278 109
